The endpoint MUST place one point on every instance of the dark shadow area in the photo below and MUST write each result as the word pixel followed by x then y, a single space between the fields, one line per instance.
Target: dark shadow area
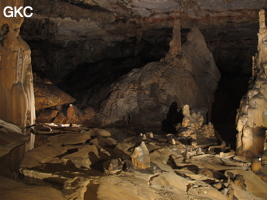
pixel 10 162
pixel 224 109
pixel 173 117
pixel 91 193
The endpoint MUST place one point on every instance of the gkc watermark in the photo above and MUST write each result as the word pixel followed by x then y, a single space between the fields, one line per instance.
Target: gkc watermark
pixel 20 11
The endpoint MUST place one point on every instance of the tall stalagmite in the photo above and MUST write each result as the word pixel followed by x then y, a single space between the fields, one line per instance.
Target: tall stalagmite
pixel 252 115
pixel 16 85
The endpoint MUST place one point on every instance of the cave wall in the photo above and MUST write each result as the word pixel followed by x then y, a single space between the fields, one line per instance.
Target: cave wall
pixel 17 98
pixel 66 34
pixel 252 114
pixel 71 39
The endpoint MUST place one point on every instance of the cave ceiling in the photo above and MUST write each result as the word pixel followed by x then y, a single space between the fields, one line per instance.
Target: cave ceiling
pixel 64 34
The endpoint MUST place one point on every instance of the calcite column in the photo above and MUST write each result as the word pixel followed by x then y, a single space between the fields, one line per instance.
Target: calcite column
pixel 16 81
pixel 252 115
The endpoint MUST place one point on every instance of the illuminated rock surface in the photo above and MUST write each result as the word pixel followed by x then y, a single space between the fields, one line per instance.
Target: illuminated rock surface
pixel 126 62
pixel 17 97
pixel 163 171
pixel 48 95
pixel 252 114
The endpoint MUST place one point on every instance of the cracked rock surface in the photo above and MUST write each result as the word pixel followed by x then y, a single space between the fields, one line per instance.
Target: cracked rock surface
pixel 79 168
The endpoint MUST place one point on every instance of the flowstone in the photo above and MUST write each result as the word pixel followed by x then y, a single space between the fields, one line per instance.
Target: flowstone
pixel 16 85
pixel 16 79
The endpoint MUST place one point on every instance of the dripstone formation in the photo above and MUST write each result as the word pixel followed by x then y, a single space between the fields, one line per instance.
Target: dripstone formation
pixel 252 114
pixel 16 80
pixel 17 98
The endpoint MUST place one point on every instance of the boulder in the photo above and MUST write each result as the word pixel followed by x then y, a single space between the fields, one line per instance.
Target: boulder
pixel 46 116
pixel 48 95
pixel 113 166
pixel 81 157
pixel 143 96
pixel 95 132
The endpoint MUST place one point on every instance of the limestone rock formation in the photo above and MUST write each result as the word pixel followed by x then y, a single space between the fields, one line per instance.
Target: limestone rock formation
pixel 46 116
pixel 194 129
pixel 13 190
pixel 251 117
pixel 96 132
pixel 10 137
pixel 62 115
pixel 144 95
pixel 75 167
pixel 17 97
pixel 48 95
pixel 74 29
pixel 140 157
pixel 113 166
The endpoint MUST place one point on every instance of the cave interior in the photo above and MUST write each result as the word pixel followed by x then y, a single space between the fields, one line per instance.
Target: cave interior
pixel 119 85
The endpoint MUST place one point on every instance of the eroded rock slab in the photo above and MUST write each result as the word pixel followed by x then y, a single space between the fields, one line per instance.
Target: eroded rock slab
pixel 13 190
pixel 42 154
pixel 10 137
pixel 70 138
pixel 48 95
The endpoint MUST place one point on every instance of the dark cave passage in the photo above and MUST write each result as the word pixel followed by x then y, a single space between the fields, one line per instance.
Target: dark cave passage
pixel 226 102
pixel 233 57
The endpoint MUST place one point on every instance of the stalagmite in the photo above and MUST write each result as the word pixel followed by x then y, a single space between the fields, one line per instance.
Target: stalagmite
pixel 175 44
pixel 17 97
pixel 252 115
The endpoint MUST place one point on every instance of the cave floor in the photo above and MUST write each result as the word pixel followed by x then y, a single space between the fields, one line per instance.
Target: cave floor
pixel 83 163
